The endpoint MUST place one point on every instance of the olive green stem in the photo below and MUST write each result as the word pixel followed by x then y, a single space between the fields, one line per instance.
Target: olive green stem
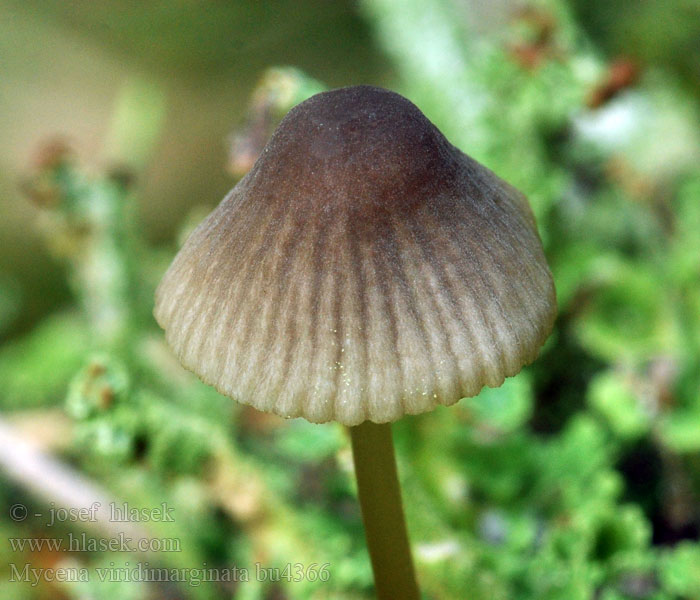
pixel 382 512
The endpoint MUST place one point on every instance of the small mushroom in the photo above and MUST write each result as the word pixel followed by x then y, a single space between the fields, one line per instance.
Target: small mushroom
pixel 364 269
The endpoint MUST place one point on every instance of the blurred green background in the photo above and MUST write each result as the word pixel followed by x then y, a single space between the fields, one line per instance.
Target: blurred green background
pixel 122 123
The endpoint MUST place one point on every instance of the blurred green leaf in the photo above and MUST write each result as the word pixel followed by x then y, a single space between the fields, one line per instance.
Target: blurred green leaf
pixel 611 395
pixel 35 371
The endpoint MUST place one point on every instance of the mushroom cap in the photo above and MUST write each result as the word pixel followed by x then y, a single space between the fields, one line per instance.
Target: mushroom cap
pixel 364 269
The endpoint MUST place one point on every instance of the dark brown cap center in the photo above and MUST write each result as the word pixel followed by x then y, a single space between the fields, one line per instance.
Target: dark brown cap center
pixel 363 149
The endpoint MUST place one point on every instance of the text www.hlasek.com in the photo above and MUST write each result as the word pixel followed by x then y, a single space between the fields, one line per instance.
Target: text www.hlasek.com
pixel 84 543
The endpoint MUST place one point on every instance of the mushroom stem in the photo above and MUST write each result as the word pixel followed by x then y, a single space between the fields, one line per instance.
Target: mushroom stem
pixel 382 511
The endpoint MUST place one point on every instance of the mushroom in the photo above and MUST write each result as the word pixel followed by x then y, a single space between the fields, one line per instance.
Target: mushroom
pixel 363 270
